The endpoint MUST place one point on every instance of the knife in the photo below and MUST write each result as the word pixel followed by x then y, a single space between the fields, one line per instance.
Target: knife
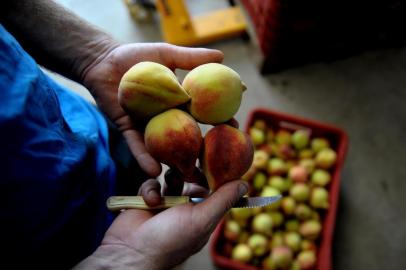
pixel 116 203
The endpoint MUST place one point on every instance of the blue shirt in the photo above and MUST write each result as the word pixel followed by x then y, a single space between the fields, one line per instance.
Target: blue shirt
pixel 55 169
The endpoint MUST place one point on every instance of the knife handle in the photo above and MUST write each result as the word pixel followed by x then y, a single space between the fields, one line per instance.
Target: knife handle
pixel 116 203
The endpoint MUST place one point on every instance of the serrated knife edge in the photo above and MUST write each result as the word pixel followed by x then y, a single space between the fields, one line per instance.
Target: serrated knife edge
pixel 251 202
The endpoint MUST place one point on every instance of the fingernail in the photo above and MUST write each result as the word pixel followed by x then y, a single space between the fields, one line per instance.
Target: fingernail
pixel 243 189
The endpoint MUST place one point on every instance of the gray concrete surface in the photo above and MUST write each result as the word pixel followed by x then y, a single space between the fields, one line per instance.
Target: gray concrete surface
pixel 365 95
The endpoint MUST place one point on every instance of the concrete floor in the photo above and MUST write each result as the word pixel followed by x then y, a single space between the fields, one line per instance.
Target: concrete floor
pixel 365 95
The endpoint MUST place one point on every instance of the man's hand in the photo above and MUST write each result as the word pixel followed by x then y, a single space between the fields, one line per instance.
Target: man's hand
pixel 139 239
pixel 103 77
pixel 63 42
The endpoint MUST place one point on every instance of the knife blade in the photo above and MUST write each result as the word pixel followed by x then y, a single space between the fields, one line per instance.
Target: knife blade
pixel 116 203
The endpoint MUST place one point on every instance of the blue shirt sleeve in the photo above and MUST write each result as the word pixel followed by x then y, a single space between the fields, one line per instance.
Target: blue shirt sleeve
pixel 55 169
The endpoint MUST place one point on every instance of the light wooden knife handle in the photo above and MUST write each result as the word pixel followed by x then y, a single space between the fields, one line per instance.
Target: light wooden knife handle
pixel 116 203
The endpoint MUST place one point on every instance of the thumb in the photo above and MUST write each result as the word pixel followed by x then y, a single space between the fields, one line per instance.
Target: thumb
pixel 189 58
pixel 217 205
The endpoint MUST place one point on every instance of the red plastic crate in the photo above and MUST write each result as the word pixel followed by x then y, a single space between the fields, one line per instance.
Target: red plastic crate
pixel 339 142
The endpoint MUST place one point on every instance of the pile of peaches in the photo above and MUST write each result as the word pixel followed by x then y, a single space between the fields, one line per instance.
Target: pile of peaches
pixel 283 235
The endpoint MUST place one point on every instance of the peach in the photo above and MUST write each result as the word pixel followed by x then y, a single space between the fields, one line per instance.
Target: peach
pixel 278 182
pixel 257 136
pixel 298 173
pixel 260 124
pixel 288 205
pixel 300 138
pixel 318 144
pixel 319 198
pixel 282 256
pixel 174 138
pixel 260 159
pixel 309 164
pixel 259 181
pixel 258 244
pixel 306 259
pixel 232 230
pixel 241 213
pixel 276 166
pixel 283 137
pixel 300 192
pixel 310 229
pixel 326 158
pixel 293 240
pixel 215 91
pixel 277 218
pixel 262 223
pixel 227 154
pixel 321 177
pixel 148 89
pixel 242 253
pixel 303 211
pixel 256 210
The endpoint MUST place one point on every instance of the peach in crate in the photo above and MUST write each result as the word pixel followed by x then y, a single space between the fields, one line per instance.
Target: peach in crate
pixel 318 155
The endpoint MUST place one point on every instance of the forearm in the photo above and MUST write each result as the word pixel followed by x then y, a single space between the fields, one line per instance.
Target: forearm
pixel 55 37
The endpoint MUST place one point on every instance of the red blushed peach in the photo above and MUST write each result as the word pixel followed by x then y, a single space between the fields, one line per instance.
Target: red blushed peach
pixel 174 138
pixel 288 205
pixel 227 155
pixel 215 91
pixel 298 173
pixel 282 256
